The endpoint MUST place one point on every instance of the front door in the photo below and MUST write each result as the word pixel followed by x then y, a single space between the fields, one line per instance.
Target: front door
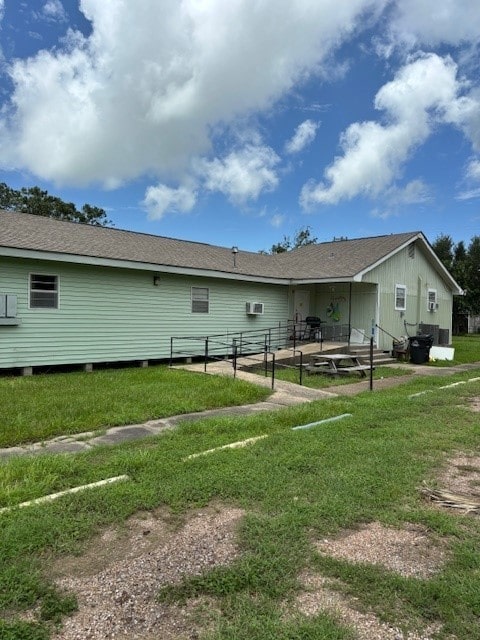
pixel 301 305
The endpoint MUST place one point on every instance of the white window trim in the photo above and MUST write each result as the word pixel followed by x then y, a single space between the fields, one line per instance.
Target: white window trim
pixel 397 287
pixel 51 275
pixel 192 300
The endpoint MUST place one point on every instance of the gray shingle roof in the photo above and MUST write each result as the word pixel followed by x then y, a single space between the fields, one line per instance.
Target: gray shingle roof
pixel 324 261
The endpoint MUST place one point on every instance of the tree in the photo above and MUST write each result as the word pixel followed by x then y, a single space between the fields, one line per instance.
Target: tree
pixel 302 238
pixel 444 248
pixel 40 203
pixel 473 276
pixel 464 265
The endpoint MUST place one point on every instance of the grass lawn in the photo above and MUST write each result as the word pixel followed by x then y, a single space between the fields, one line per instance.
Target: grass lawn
pixel 467 349
pixel 322 381
pixel 297 487
pixel 40 407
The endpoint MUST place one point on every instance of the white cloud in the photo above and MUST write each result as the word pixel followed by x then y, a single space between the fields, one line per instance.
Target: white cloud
pixel 304 135
pixel 473 170
pixel 162 199
pixel 396 198
pixel 144 91
pixel 423 92
pixel 414 192
pixel 471 190
pixel 277 220
pixel 54 10
pixel 242 175
pixel 465 113
pixel 430 22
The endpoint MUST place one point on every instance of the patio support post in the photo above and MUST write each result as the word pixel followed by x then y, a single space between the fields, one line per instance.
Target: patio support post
pixel 349 313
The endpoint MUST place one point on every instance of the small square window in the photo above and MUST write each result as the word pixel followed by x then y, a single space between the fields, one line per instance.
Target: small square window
pixel 43 291
pixel 200 299
pixel 400 297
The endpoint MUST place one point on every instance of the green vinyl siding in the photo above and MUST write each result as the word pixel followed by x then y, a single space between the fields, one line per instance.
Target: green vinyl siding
pixel 106 314
pixel 415 272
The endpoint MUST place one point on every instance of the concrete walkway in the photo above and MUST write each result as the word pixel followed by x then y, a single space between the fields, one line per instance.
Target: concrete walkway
pixel 285 394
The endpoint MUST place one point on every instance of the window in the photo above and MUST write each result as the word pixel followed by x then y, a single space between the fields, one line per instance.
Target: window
pixel 200 299
pixel 432 300
pixel 400 297
pixel 43 291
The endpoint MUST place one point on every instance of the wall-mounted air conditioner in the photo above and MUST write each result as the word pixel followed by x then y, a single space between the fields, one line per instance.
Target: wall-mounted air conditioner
pixel 432 306
pixel 8 306
pixel 254 308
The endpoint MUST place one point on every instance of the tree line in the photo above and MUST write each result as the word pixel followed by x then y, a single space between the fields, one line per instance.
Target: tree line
pixel 463 262
pixel 40 203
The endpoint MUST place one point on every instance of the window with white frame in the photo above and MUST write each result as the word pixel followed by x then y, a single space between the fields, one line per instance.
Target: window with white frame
pixel 200 299
pixel 400 297
pixel 432 299
pixel 43 291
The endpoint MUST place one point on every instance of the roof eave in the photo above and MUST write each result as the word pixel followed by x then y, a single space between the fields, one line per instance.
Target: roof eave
pixel 51 256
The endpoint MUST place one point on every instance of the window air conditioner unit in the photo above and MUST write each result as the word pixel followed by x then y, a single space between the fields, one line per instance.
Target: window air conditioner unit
pixel 254 308
pixel 432 306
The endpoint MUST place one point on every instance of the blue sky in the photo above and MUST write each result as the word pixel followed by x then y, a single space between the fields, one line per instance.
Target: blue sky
pixel 240 122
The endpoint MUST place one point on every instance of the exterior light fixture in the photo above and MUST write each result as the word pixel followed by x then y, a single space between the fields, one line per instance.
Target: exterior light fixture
pixel 156 280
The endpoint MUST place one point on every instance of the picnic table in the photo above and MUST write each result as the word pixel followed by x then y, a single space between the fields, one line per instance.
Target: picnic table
pixel 337 363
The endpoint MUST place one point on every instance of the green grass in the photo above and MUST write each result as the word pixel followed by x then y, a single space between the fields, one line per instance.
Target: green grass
pixel 296 486
pixel 467 348
pixel 322 381
pixel 40 407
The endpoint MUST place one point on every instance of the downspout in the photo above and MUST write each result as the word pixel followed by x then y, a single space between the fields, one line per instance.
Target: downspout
pixel 419 299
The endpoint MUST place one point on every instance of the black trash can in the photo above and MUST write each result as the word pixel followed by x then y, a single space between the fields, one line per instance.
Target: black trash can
pixel 420 348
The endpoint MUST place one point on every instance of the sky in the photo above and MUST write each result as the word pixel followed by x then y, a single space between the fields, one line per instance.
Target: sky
pixel 239 123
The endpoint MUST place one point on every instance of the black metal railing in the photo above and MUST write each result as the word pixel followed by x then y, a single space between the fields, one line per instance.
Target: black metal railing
pixel 245 344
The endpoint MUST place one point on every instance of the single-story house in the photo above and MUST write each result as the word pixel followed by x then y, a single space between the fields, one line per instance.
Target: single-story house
pixel 77 294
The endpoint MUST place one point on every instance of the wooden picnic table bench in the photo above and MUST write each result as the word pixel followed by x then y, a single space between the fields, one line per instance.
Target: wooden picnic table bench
pixel 331 364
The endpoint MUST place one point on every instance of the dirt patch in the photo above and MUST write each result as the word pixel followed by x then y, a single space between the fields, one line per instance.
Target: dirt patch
pixel 462 475
pixel 410 551
pixel 321 596
pixel 117 580
pixel 474 403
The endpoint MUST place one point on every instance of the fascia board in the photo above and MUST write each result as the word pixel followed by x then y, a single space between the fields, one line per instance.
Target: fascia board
pixel 139 266
pixel 298 281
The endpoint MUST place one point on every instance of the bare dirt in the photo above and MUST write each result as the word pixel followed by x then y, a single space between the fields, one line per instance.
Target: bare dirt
pixel 118 577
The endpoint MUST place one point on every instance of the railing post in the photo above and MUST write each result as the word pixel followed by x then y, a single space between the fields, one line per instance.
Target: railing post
pixel 206 355
pixel 301 368
pixel 234 359
pixel 171 352
pixel 273 371
pixel 265 360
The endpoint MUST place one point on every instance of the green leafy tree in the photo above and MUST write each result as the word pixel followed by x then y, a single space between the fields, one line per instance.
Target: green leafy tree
pixel 302 238
pixel 464 265
pixel 444 248
pixel 473 276
pixel 40 203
